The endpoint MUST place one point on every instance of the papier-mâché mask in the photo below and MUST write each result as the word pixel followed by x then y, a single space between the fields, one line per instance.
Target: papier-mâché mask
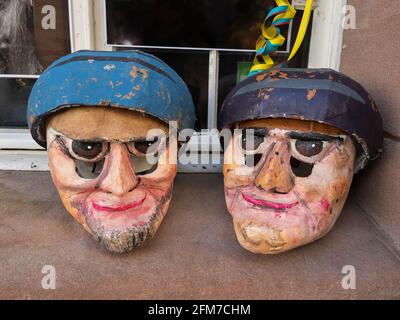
pixel 298 137
pixel 295 186
pixel 104 118
pixel 105 180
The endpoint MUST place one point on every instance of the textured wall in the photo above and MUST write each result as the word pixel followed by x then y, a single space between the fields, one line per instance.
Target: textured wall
pixel 371 55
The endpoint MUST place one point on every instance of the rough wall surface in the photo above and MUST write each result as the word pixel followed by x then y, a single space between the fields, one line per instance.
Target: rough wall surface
pixel 371 56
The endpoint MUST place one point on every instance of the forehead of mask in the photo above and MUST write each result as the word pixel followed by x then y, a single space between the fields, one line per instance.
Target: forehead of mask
pixel 292 124
pixel 100 123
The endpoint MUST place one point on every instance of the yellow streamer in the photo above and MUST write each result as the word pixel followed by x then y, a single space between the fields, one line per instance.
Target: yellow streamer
pixel 271 39
pixel 303 28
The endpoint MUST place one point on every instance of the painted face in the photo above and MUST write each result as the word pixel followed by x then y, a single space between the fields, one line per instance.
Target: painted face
pixel 110 179
pixel 286 186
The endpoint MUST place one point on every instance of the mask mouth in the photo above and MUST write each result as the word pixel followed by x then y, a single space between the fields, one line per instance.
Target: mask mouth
pixel 123 226
pixel 119 208
pixel 262 203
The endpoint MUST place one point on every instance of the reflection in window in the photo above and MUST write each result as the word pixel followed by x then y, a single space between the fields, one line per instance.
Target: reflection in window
pixel 32 34
pixel 16 38
pixel 14 94
pixel 229 24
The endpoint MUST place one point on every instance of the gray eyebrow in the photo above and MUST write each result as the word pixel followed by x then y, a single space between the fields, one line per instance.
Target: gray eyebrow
pixel 312 136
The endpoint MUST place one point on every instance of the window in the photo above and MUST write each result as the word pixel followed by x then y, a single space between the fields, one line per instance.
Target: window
pixel 14 94
pixel 201 24
pixel 32 35
pixel 209 43
pixel 218 43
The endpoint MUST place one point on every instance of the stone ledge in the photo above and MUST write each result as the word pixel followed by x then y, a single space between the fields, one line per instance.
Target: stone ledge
pixel 194 256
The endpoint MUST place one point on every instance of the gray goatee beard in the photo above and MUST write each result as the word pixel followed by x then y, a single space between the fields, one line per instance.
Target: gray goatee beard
pixel 125 240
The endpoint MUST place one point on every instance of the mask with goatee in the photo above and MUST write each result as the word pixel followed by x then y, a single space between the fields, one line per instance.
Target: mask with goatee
pixel 114 171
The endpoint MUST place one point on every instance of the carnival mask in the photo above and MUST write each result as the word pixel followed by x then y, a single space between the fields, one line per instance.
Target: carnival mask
pixel 111 168
pixel 299 135
pixel 108 120
pixel 287 183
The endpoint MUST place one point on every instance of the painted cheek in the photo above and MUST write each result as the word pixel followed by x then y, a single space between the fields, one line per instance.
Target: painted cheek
pixel 318 198
pixel 228 168
pixel 309 192
pixel 230 196
pixel 72 189
pixel 63 171
pixel 160 182
pixel 323 187
pixel 74 204
pixel 325 204
pixel 234 180
pixel 60 166
pixel 236 173
pixel 325 201
pixel 339 188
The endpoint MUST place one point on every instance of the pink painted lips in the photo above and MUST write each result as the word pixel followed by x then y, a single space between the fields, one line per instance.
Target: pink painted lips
pixel 269 204
pixel 119 208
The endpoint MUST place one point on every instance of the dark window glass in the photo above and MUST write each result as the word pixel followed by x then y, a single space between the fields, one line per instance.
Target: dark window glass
pixel 225 24
pixel 14 94
pixel 234 66
pixel 32 34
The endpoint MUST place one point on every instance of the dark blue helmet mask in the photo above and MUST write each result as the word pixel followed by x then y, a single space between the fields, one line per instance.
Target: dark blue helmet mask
pixel 323 95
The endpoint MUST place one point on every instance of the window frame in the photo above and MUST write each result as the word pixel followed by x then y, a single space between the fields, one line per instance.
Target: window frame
pixel 87 22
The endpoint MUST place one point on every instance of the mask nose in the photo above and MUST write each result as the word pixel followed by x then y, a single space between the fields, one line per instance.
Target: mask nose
pixel 275 174
pixel 121 177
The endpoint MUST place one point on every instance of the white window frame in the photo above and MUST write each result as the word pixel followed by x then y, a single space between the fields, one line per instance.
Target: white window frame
pixel 18 151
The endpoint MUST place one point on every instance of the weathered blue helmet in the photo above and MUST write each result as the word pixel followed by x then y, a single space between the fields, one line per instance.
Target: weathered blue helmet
pixel 321 95
pixel 131 80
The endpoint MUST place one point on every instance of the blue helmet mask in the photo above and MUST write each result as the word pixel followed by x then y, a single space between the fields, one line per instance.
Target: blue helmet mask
pixel 130 80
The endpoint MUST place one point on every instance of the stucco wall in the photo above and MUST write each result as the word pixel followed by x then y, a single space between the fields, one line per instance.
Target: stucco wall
pixel 371 55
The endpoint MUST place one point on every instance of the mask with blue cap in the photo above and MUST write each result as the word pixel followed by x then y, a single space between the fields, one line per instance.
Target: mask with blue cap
pixel 104 118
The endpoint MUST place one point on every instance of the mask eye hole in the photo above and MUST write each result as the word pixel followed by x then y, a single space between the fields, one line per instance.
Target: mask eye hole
pixel 144 147
pixel 142 165
pixel 309 148
pixel 253 159
pixel 88 150
pixel 251 142
pixel 141 150
pixel 301 169
pixel 89 170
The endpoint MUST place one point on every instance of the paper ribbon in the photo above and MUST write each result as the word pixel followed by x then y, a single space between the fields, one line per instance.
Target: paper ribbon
pixel 271 38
